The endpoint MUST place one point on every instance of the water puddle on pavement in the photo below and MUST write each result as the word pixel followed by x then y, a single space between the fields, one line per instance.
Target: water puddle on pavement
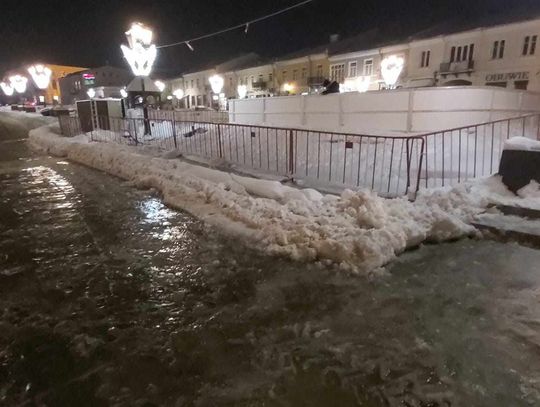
pixel 107 297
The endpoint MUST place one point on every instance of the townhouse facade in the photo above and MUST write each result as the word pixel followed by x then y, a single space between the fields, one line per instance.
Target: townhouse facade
pixel 504 55
pixel 303 74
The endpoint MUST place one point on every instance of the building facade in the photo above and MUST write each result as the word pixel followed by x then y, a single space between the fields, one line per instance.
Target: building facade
pixel 504 55
pixel 303 74
pixel 106 81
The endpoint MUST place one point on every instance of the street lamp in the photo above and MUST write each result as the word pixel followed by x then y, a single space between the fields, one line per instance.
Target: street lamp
pixel 41 75
pixel 391 68
pixel 91 93
pixel 123 93
pixel 141 53
pixel 7 89
pixel 216 82
pixel 362 83
pixel 19 83
pixel 242 91
pixel 178 94
pixel 160 85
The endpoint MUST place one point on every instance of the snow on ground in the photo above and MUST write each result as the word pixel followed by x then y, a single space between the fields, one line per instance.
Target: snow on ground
pixel 358 230
pixel 23 121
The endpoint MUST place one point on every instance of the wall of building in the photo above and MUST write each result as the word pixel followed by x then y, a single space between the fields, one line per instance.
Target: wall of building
pixel 259 80
pixel 197 89
pixel 75 86
pixel 383 112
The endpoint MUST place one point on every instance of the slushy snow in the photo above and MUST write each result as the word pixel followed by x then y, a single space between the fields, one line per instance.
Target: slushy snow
pixel 358 230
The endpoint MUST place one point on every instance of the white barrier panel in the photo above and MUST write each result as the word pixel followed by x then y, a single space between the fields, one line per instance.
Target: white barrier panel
pixel 419 110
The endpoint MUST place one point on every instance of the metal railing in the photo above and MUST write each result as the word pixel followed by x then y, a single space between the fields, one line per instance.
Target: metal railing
pixel 189 115
pixel 392 166
pixel 459 154
pixel 389 165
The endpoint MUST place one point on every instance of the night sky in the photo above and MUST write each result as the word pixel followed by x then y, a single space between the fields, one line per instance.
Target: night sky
pixel 88 33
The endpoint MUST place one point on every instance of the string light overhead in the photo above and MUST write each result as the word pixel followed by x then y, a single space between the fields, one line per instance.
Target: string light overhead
pixel 244 25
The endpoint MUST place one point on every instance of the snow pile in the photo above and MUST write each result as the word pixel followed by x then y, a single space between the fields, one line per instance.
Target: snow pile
pixel 531 191
pixel 522 144
pixel 358 230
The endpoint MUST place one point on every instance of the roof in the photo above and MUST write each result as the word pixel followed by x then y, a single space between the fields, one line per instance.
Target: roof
pixel 95 69
pixel 485 21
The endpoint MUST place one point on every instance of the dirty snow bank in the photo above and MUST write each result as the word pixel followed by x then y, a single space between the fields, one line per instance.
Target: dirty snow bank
pixel 358 230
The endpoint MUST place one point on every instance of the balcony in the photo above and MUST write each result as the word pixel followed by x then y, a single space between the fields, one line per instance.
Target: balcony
pixel 259 85
pixel 315 81
pixel 455 68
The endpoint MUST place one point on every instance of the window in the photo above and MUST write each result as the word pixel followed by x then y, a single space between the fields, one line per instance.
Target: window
pixel 462 53
pixel 284 76
pixel 192 84
pixel 497 51
pixel 424 63
pixel 230 82
pixel 198 83
pixel 368 67
pixel 304 73
pixel 319 71
pixel 270 77
pixel 352 69
pixel 521 85
pixel 529 45
pixel 337 72
pixel 295 74
pixel 252 79
pixel 260 78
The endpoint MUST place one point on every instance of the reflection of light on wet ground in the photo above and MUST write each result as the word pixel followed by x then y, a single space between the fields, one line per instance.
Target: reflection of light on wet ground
pixel 159 215
pixel 43 174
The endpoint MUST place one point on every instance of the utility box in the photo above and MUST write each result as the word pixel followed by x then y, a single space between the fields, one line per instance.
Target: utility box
pixel 100 113
pixel 520 162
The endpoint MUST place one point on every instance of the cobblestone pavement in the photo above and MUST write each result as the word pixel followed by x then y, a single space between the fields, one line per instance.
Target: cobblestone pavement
pixel 109 298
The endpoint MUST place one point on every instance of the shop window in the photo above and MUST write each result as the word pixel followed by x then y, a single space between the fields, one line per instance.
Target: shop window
pixel 497 84
pixel 522 85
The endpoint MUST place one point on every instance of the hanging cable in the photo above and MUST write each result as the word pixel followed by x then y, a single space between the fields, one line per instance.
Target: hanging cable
pixel 244 24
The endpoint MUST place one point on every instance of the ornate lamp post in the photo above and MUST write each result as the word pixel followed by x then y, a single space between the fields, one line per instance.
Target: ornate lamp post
pixel 141 55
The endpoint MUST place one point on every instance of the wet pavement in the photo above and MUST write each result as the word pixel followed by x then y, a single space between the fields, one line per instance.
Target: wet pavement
pixel 109 298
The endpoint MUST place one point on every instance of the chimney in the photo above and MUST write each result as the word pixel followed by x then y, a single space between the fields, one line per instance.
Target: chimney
pixel 334 38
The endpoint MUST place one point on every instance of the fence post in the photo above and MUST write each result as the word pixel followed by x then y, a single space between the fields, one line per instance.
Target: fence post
pixel 219 140
pixel 291 148
pixel 174 133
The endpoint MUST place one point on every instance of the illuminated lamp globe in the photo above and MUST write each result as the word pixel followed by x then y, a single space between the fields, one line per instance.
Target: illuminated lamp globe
pixel 178 93
pixel 242 91
pixel 41 75
pixel 216 82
